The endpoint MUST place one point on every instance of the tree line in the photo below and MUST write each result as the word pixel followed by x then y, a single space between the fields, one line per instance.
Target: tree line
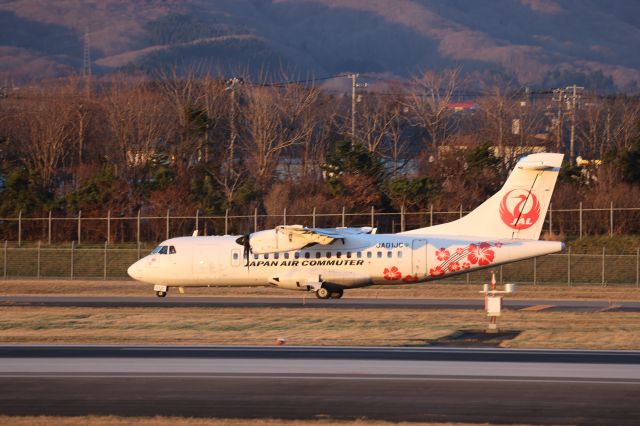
pixel 183 142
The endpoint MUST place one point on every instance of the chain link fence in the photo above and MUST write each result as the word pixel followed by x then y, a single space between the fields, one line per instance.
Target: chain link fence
pixel 103 262
pixel 571 223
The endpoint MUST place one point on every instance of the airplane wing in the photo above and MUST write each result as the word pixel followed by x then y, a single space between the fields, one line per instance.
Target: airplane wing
pixel 295 237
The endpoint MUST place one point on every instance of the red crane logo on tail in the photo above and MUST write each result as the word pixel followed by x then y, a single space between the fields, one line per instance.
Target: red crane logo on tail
pixel 519 209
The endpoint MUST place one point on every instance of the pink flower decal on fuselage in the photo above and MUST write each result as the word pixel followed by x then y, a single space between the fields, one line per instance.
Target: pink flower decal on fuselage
pixel 466 265
pixel 442 254
pixel 392 273
pixel 410 278
pixel 480 254
pixel 437 271
pixel 454 267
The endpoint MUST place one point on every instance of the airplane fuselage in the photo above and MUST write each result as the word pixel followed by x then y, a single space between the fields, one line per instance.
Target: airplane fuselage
pixel 356 261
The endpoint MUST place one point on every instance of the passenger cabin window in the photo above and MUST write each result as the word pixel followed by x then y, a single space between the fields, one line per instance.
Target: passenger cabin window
pixel 389 254
pixel 276 256
pixel 328 255
pixel 235 256
pixel 266 256
pixel 369 255
pixel 286 255
pixel 339 254
pixel 318 255
pixel 379 255
pixel 348 255
pixel 399 254
pixel 307 255
pixel 296 255
pixel 359 254
pixel 256 257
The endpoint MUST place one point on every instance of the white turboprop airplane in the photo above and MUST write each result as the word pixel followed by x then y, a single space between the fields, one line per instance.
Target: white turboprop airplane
pixel 503 229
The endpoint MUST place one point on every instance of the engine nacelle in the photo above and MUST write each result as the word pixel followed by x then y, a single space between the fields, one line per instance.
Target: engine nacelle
pixel 284 238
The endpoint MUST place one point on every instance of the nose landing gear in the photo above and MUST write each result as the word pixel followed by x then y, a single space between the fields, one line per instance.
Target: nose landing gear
pixel 161 290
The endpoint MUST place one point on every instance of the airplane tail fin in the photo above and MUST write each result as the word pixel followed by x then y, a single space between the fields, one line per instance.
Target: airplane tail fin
pixel 517 210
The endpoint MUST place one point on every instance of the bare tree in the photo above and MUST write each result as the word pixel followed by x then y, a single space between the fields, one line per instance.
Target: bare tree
pixel 272 120
pixel 430 100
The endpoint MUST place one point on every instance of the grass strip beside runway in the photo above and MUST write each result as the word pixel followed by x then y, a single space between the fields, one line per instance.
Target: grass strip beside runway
pixel 430 290
pixel 263 326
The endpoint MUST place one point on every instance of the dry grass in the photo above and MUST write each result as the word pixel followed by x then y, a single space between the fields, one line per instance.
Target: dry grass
pixel 181 421
pixel 262 326
pixel 439 290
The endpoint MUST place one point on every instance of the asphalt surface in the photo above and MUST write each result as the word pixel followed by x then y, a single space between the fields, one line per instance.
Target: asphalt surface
pixel 312 302
pixel 396 384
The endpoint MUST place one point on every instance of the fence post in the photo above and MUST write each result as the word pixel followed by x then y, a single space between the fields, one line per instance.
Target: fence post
pixel 79 226
pixel 637 267
pixel 73 246
pixel 580 219
pixel 500 274
pixel 430 214
pixel 104 275
pixel 20 228
pixel 569 266
pixel 197 219
pixel 343 222
pixel 535 271
pixel 138 228
pixel 255 220
pixel 611 221
pixel 402 218
pixel 108 226
pixel 284 216
pixel 138 250
pixel 313 218
pixel 550 218
pixel 6 252
pixel 226 222
pixel 603 258
pixel 38 268
pixel 460 211
pixel 167 224
pixel 373 217
pixel 49 228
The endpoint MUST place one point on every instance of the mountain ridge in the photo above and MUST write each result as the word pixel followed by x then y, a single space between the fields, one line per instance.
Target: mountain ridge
pixel 524 39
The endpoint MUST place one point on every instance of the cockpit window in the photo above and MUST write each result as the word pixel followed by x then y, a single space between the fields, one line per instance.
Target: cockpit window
pixel 164 250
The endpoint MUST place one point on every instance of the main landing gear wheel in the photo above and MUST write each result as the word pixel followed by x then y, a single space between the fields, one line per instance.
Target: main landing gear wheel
pixel 323 293
pixel 161 293
pixel 337 294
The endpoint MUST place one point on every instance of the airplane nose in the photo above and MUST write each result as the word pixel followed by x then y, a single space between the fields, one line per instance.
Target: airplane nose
pixel 134 271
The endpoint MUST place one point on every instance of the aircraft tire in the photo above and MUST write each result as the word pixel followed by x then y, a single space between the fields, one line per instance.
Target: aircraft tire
pixel 323 293
pixel 161 293
pixel 337 294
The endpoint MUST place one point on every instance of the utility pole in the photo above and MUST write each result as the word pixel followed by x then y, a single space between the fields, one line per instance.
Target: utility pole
pixel 558 96
pixel 354 85
pixel 86 63
pixel 573 102
pixel 231 87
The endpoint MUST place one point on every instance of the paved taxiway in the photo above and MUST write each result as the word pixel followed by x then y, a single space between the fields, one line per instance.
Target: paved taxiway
pixel 312 302
pixel 427 384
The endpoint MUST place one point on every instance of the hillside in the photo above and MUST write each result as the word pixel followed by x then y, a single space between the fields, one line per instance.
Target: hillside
pixel 532 41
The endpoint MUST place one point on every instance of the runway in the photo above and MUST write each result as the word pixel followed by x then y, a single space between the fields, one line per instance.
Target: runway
pixel 312 302
pixel 396 384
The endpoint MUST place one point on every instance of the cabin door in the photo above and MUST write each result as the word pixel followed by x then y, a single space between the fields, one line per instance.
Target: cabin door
pixel 419 258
